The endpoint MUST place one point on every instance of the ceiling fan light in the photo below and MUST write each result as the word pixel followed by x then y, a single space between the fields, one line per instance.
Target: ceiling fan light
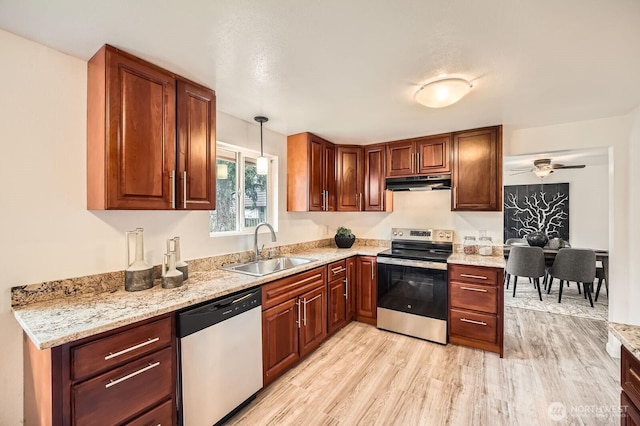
pixel 442 93
pixel 542 172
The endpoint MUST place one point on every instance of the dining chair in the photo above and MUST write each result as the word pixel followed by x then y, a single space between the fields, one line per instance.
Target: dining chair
pixel 526 262
pixel 513 242
pixel 578 265
pixel 600 276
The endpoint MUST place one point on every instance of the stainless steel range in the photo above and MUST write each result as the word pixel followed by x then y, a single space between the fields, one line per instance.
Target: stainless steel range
pixel 412 283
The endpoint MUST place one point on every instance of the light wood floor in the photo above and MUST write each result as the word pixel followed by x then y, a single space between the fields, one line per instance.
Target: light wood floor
pixel 365 376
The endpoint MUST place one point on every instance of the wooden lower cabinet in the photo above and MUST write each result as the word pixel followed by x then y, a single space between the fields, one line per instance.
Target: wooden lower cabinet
pixel 367 289
pixel 476 312
pixel 630 383
pixel 125 376
pixel 342 293
pixel 294 320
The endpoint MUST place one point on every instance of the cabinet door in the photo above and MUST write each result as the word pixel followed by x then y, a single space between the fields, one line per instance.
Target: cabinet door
pixel 477 170
pixel 349 178
pixel 314 319
pixel 316 174
pixel 196 177
pixel 400 159
pixel 374 175
pixel 432 154
pixel 367 289
pixel 336 304
pixel 351 288
pixel 630 415
pixel 141 129
pixel 329 176
pixel 279 338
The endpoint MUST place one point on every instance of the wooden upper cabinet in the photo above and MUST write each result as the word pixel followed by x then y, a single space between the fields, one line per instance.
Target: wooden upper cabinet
pixel 350 172
pixel 137 113
pixel 419 156
pixel 311 173
pixel 376 199
pixel 196 188
pixel 477 170
pixel 432 154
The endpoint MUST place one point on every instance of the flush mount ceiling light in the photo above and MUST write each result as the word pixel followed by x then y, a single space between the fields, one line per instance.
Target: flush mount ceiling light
pixel 442 93
pixel 262 164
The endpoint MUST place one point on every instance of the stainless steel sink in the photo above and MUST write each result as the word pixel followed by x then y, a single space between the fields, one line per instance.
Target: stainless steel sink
pixel 268 266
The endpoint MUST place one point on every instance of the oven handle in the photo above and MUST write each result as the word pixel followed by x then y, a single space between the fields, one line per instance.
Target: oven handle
pixel 423 264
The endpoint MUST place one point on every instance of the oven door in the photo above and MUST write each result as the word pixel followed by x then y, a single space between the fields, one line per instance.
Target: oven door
pixel 415 287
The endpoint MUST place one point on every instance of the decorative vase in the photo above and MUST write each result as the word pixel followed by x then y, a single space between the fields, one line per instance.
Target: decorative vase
pixel 344 241
pixel 537 239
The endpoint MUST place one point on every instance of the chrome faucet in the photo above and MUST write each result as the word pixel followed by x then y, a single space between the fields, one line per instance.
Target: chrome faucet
pixel 256 251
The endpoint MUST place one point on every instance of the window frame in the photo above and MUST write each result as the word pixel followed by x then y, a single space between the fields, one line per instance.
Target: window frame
pixel 241 154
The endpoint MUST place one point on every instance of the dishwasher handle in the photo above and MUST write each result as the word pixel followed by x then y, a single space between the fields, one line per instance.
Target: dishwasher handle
pixel 194 319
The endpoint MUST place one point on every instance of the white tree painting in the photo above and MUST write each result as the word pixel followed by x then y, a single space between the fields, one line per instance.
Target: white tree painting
pixel 530 209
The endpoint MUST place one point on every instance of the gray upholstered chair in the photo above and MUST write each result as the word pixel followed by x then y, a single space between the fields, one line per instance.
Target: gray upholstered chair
pixel 513 242
pixel 600 276
pixel 526 262
pixel 577 265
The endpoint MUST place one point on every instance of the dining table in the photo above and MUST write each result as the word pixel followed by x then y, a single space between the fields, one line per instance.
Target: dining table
pixel 550 255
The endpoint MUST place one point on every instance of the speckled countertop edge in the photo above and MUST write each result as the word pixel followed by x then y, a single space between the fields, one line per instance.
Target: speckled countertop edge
pixel 629 336
pixel 59 321
pixel 477 260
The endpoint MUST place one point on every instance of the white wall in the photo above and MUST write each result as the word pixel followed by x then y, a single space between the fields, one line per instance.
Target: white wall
pixel 632 299
pixel 588 202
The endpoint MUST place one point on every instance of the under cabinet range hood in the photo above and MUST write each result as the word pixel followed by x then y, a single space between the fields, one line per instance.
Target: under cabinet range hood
pixel 419 183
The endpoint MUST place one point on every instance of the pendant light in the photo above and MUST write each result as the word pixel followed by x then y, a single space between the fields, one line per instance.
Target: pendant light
pixel 262 165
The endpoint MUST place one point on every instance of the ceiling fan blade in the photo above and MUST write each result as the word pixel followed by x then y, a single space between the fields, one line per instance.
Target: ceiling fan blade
pixel 522 169
pixel 577 166
pixel 519 172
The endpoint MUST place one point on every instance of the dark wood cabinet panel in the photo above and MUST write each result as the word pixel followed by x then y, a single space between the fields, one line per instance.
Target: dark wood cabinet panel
pixel 280 338
pixel 350 173
pixel 314 319
pixel 432 154
pixel 161 415
pixel 376 199
pixel 477 170
pixel 366 307
pixel 336 309
pixel 351 285
pixel 311 173
pixel 196 146
pixel 293 286
pixel 476 307
pixel 146 128
pixel 401 158
pixel 630 415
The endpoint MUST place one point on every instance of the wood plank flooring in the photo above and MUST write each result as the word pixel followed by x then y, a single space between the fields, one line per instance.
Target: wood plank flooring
pixel 365 376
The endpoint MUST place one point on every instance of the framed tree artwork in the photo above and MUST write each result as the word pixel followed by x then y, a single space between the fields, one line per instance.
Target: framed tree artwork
pixel 539 207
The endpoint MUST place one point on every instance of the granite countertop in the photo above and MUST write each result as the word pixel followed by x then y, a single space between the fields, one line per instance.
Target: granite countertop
pixel 494 261
pixel 55 322
pixel 629 336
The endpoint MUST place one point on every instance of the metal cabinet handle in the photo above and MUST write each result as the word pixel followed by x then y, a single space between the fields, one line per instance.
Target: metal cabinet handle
pixel 333 270
pixel 298 305
pixel 418 162
pixel 304 306
pixel 346 288
pixel 479 290
pixel 413 163
pixel 360 198
pixel 473 322
pixel 132 348
pixel 455 197
pixel 173 188
pixel 184 189
pixel 480 277
pixel 128 376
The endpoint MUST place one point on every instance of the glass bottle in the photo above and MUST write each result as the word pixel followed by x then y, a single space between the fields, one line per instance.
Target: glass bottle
pixel 469 245
pixel 485 246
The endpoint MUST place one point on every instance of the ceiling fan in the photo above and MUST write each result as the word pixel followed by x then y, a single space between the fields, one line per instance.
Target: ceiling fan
pixel 544 167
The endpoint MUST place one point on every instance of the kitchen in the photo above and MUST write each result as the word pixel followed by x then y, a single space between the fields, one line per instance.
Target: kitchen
pixel 52 236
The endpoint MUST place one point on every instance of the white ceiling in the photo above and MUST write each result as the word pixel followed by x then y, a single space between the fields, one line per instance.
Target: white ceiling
pixel 348 69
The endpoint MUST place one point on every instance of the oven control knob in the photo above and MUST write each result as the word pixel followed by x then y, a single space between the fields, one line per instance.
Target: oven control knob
pixel 400 233
pixel 395 233
pixel 441 235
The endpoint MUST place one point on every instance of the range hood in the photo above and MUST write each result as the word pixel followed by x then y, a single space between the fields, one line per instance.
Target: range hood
pixel 419 183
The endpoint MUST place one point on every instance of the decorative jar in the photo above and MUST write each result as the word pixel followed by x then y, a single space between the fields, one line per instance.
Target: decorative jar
pixel 485 246
pixel 470 246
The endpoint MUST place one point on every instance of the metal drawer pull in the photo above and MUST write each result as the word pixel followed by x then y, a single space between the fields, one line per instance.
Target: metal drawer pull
pixel 473 322
pixel 479 290
pixel 128 376
pixel 184 189
pixel 298 305
pixel 304 305
pixel 480 277
pixel 346 288
pixel 173 189
pixel 338 271
pixel 132 348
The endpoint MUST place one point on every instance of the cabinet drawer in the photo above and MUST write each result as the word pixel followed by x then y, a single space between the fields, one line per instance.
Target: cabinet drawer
pixel 162 415
pixel 473 274
pixel 476 297
pixel 630 370
pixel 122 392
pixel 288 288
pixel 473 325
pixel 336 270
pixel 113 350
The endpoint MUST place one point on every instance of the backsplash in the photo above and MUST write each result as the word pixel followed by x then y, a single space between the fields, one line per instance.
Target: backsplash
pixel 113 281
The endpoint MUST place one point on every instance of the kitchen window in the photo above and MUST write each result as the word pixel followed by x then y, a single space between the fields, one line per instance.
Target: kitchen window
pixel 243 197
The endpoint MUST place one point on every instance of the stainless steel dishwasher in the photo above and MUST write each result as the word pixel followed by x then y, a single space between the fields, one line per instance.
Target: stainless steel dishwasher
pixel 220 356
